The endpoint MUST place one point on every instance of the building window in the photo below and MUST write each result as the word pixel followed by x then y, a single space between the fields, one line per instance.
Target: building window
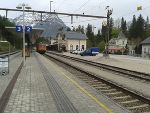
pixel 148 50
pixel 82 47
pixel 71 47
pixel 77 47
pixel 123 42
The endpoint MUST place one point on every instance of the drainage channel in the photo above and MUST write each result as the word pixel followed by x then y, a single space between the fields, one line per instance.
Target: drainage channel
pixel 64 105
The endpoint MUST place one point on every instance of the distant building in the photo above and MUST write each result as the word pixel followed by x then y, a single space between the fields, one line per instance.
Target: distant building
pixel 118 44
pixel 146 48
pixel 131 47
pixel 70 40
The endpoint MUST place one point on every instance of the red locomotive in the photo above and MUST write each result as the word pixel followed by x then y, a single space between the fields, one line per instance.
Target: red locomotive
pixel 41 48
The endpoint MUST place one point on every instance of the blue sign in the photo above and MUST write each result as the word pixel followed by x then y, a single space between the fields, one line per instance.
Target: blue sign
pixel 19 29
pixel 28 29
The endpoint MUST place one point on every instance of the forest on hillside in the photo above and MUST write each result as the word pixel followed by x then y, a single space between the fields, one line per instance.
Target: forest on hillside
pixel 136 31
pixel 7 35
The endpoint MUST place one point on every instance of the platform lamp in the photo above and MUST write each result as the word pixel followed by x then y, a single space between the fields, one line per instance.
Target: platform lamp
pixel 23 6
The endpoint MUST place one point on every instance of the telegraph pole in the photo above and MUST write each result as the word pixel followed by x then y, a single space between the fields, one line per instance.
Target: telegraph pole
pixel 109 12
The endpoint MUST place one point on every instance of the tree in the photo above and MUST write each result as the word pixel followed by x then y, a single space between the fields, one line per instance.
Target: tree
pixel 73 29
pixel 68 29
pixel 82 30
pixel 78 29
pixel 8 35
pixel 115 32
pixel 104 32
pixel 101 45
pixel 90 35
pixel 147 28
pixel 111 24
pixel 123 26
pixel 140 27
pixel 132 29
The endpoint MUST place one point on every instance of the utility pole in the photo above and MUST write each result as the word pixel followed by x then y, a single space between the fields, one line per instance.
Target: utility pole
pixel 109 12
pixel 94 36
pixel 50 5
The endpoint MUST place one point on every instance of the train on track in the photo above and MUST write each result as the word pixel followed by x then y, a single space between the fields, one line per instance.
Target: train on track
pixel 41 48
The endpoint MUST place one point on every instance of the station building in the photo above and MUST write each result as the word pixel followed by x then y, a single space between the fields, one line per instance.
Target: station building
pixel 146 48
pixel 69 41
pixel 118 44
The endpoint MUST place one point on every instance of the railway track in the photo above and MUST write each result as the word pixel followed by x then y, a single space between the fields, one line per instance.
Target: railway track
pixel 2 54
pixel 117 70
pixel 129 99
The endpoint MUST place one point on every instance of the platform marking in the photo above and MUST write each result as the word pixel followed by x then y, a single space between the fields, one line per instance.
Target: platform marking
pixel 90 95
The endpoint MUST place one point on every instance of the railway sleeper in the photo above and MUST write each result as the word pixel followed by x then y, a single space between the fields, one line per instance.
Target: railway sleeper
pixel 135 104
pixel 93 82
pixel 115 94
pixel 108 90
pixel 140 108
pixel 97 85
pixel 129 101
pixel 122 98
pixel 102 88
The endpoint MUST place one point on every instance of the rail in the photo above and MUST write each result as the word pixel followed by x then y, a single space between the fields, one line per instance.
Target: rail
pixel 132 73
pixel 131 100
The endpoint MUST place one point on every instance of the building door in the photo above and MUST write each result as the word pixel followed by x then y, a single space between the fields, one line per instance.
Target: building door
pixel 71 48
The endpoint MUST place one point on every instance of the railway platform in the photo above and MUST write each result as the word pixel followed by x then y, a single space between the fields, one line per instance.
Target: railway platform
pixel 44 87
pixel 122 61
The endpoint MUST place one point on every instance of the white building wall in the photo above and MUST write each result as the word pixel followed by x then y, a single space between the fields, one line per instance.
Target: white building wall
pixel 74 43
pixel 53 41
pixel 146 51
pixel 121 42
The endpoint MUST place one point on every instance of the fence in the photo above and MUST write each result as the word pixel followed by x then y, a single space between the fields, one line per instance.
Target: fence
pixel 4 65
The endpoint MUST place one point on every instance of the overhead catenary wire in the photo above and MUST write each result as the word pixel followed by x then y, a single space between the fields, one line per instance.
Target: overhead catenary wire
pixel 84 4
pixel 83 21
pixel 60 4
pixel 98 6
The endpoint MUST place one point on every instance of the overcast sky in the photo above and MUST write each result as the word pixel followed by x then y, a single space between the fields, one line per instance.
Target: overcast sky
pixel 125 8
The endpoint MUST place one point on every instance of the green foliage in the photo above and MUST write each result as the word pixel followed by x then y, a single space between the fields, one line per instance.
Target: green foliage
pixel 4 46
pixel 132 29
pixel 124 26
pixel 115 32
pixel 101 45
pixel 90 36
pixel 12 37
pixel 41 40
pixel 104 32
pixel 111 24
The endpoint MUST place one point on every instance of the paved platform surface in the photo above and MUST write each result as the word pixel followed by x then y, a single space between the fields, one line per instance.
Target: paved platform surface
pixel 123 61
pixel 33 94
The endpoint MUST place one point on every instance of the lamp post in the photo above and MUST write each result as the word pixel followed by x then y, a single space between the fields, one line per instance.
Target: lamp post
pixel 50 5
pixel 23 6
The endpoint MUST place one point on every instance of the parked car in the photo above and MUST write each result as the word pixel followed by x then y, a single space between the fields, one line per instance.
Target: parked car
pixel 90 52
pixel 77 51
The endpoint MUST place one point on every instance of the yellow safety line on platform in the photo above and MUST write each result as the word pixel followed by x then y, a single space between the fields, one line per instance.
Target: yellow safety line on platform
pixel 90 95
